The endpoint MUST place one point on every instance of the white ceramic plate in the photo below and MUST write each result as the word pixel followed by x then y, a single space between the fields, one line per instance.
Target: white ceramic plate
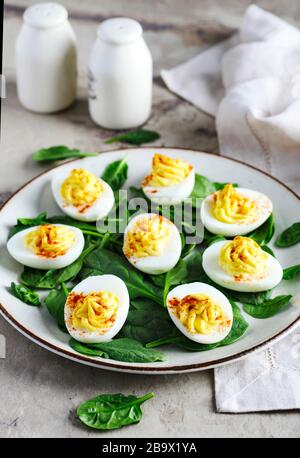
pixel 38 326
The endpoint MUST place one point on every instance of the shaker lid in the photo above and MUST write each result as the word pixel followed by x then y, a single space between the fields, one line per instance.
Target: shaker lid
pixel 45 15
pixel 119 30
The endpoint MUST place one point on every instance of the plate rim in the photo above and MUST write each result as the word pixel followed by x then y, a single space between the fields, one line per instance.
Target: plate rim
pixel 147 369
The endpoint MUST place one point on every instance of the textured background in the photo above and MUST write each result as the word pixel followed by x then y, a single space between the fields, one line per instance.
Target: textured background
pixel 40 390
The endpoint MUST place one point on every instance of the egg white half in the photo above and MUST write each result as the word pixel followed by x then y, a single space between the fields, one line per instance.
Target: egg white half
pixel 171 194
pixel 156 265
pixel 264 205
pixel 18 250
pixel 110 283
pixel 216 273
pixel 201 288
pixel 98 210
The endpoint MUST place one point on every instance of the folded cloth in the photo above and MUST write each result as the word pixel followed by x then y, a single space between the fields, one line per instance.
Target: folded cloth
pixel 251 83
pixel 268 380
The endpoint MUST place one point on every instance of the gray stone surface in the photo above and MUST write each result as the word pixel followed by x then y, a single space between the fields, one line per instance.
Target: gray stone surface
pixel 39 390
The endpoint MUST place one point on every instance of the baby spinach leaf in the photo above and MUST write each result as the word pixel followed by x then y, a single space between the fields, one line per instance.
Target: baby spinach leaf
pixel 175 276
pixel 116 174
pixel 41 218
pixel 84 349
pixel 122 349
pixel 48 279
pixel 55 303
pixel 58 153
pixel 248 298
pixel 25 223
pixel 135 137
pixel 103 261
pixel 25 294
pixel 263 234
pixel 289 237
pixel 111 411
pixel 146 321
pixel 267 249
pixel 203 187
pixel 187 249
pixel 194 266
pixel 290 272
pixel 268 308
pixel 44 279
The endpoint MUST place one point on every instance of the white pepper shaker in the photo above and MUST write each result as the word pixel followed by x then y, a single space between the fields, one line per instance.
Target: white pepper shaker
pixel 46 59
pixel 120 75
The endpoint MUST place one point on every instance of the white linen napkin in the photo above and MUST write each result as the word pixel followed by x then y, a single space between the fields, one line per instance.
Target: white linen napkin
pixel 251 83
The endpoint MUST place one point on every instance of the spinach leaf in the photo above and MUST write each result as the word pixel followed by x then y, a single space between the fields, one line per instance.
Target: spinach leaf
pixel 203 187
pixel 111 411
pixel 268 308
pixel 194 266
pixel 146 321
pixel 25 223
pixel 267 249
pixel 263 234
pixel 289 237
pixel 122 349
pixel 84 349
pixel 135 137
pixel 51 278
pixel 41 218
pixel 55 303
pixel 290 272
pixel 187 249
pixel 116 174
pixel 103 261
pixel 249 298
pixel 58 153
pixel 25 294
pixel 175 276
pixel 44 279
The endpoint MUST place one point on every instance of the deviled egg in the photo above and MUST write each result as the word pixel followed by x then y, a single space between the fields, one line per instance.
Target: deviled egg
pixel 241 265
pixel 235 211
pixel 49 246
pixel 82 195
pixel 200 312
pixel 171 180
pixel 97 308
pixel 152 243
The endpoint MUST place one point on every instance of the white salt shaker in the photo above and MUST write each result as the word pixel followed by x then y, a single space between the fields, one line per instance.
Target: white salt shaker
pixel 120 75
pixel 46 59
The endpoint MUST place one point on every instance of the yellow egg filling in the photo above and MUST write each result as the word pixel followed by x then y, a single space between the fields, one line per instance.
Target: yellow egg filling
pixel 81 189
pixel 95 311
pixel 147 237
pixel 199 313
pixel 243 258
pixel 50 241
pixel 167 171
pixel 230 206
